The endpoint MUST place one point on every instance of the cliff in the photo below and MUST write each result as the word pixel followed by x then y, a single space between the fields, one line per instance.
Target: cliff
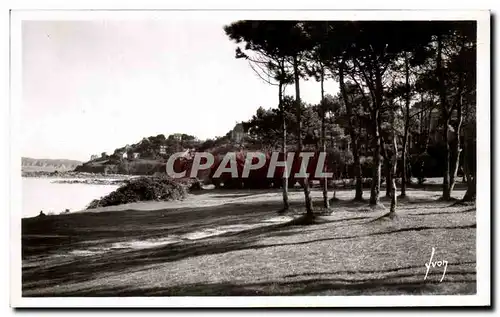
pixel 48 165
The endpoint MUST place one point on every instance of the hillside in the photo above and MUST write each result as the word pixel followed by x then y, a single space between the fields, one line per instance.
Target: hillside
pixel 48 165
pixel 148 155
pixel 142 158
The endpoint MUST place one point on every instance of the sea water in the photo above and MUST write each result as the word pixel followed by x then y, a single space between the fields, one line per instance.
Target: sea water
pixel 42 194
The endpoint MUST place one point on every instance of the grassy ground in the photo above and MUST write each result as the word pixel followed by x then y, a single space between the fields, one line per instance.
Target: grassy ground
pixel 234 243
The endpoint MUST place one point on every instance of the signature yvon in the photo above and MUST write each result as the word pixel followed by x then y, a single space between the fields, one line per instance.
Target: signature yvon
pixel 434 264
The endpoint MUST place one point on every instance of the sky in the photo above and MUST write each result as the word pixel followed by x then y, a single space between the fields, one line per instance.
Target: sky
pixel 93 86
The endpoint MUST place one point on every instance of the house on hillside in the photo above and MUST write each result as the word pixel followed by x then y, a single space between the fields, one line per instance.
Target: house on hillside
pixel 136 155
pixel 124 153
pixel 238 133
pixel 177 136
pixel 163 149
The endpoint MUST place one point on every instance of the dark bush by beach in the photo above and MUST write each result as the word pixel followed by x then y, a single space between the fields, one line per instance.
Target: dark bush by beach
pixel 145 189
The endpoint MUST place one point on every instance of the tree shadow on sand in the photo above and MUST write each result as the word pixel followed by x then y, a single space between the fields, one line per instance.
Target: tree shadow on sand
pixel 88 268
pixel 67 232
pixel 392 284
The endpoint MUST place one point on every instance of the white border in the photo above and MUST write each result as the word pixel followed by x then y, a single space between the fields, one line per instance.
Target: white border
pixel 483 147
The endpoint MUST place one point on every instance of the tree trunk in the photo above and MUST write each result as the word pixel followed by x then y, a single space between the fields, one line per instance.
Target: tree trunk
pixel 406 127
pixel 470 175
pixel 323 132
pixel 375 186
pixel 470 194
pixel 456 144
pixel 446 172
pixel 455 163
pixel 354 136
pixel 404 164
pixel 388 177
pixel 446 118
pixel 286 204
pixel 307 193
pixel 394 162
pixel 357 173
pixel 377 139
pixel 334 188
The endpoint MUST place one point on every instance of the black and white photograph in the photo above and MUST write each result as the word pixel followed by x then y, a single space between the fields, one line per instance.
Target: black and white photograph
pixel 242 158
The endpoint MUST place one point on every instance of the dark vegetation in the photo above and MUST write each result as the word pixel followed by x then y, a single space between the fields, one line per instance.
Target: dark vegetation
pixel 406 106
pixel 159 188
pixel 406 103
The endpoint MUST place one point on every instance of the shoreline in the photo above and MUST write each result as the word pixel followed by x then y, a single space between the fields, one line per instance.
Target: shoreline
pixel 75 175
pixel 90 181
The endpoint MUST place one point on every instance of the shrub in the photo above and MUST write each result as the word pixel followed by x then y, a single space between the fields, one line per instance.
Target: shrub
pixel 143 189
pixel 192 184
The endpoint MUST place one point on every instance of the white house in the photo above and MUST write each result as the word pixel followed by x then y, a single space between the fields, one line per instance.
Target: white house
pixel 163 149
pixel 125 155
pixel 136 155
